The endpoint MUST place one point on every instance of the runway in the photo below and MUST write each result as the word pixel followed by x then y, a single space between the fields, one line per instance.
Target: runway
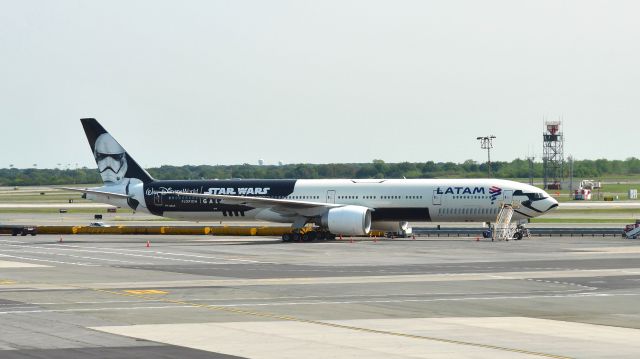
pixel 224 297
pixel 600 205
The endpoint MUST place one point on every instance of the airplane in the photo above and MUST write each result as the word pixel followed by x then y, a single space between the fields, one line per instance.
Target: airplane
pixel 351 207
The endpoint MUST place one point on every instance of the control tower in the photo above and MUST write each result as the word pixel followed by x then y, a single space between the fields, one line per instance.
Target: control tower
pixel 553 155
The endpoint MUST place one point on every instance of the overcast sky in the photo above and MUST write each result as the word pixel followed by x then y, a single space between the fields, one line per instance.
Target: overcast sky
pixel 226 82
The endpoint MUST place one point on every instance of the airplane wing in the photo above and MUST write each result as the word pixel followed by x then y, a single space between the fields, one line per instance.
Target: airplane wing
pixel 99 193
pixel 284 206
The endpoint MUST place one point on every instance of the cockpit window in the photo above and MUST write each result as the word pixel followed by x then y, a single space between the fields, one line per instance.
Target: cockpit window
pixel 533 196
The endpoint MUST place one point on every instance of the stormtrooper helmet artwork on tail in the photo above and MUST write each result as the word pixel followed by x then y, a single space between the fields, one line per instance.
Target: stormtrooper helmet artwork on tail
pixel 114 163
pixel 111 159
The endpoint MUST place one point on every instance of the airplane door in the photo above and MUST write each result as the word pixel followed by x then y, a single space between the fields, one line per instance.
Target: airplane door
pixel 508 196
pixel 157 199
pixel 437 198
pixel 331 196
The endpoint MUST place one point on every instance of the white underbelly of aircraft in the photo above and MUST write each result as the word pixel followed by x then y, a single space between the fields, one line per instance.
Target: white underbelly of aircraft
pixel 228 216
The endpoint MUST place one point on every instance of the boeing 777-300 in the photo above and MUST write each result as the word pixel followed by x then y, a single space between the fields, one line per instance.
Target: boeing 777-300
pixel 332 206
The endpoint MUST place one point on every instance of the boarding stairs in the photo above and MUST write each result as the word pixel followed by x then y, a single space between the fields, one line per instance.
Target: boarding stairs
pixel 503 229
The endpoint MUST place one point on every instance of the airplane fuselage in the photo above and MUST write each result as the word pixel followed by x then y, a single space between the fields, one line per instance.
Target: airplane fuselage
pixel 333 206
pixel 391 200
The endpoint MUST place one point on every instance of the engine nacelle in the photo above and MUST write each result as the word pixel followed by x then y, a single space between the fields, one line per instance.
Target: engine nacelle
pixel 388 226
pixel 348 220
pixel 400 229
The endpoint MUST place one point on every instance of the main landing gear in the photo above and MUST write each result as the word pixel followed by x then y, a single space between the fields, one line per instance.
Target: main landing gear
pixel 308 236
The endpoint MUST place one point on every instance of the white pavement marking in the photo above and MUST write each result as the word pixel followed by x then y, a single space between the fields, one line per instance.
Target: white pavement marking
pixel 161 252
pixel 91 309
pixel 9 264
pixel 600 205
pixel 50 261
pixel 513 337
pixel 607 250
pixel 209 257
pixel 122 252
pixel 55 205
pixel 51 253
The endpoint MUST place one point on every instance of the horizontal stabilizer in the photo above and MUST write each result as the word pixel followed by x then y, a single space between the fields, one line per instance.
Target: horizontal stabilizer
pixel 99 193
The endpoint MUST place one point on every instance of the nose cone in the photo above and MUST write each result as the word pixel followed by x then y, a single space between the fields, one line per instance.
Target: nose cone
pixel 552 203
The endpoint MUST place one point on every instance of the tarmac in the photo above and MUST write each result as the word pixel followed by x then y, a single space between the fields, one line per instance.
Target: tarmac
pixel 256 297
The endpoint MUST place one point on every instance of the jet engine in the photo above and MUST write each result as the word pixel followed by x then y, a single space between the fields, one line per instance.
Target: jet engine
pixel 399 229
pixel 348 220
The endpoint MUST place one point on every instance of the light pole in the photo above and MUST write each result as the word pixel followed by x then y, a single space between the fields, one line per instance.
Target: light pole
pixel 486 143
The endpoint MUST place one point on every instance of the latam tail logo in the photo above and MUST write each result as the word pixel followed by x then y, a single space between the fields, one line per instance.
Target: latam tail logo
pixel 494 193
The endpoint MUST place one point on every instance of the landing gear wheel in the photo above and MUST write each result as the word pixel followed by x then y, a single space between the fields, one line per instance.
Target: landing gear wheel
pixel 517 236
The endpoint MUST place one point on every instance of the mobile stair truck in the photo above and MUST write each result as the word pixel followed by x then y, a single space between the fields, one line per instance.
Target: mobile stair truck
pixel 504 228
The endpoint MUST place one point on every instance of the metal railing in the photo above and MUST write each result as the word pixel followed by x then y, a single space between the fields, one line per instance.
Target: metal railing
pixel 535 232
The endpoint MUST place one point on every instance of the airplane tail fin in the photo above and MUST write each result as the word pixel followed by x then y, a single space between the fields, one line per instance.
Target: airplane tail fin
pixel 114 163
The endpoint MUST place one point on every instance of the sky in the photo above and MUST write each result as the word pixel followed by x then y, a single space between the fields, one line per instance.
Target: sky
pixel 230 82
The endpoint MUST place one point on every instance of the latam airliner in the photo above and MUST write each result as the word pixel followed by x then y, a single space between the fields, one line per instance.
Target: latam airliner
pixel 332 206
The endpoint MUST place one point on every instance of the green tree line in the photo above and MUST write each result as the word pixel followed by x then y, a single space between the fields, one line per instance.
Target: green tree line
pixel 517 168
